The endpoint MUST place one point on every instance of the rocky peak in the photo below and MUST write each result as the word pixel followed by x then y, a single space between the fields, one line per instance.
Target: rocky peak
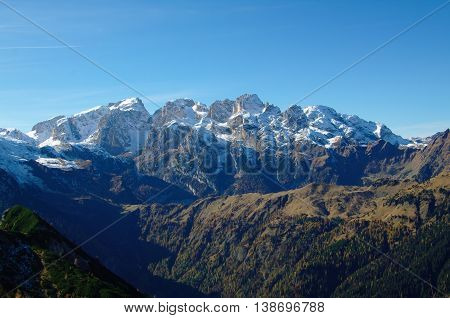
pixel 221 110
pixel 200 108
pixel 384 133
pixel 129 104
pixel 319 111
pixel 180 110
pixel 434 158
pixel 270 115
pixel 15 135
pixel 179 103
pixel 249 103
pixel 270 109
pixel 294 118
pixel 124 125
pixel 120 123
pixel 43 130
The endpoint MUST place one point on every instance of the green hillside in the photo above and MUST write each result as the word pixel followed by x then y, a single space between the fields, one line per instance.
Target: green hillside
pixel 38 261
pixel 318 241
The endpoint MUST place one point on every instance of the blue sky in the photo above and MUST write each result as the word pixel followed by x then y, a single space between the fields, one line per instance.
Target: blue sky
pixel 209 50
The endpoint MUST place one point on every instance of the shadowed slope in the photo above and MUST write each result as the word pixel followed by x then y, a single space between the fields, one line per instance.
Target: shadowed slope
pixel 30 246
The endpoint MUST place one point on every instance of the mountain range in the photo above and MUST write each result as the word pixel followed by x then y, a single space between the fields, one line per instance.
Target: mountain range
pixel 238 198
pixel 207 150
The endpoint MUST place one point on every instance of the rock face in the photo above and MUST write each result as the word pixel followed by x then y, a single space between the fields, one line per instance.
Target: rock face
pixel 180 110
pixel 220 111
pixel 121 126
pixel 248 103
pixel 294 118
pixel 236 199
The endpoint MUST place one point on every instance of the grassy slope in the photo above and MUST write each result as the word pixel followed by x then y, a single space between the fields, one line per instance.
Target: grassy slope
pixel 41 248
pixel 317 241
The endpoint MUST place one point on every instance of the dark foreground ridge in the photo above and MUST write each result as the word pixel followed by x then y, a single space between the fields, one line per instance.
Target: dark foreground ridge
pixel 28 245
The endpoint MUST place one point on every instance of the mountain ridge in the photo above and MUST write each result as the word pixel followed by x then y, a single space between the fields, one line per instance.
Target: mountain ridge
pixel 312 121
pixel 224 148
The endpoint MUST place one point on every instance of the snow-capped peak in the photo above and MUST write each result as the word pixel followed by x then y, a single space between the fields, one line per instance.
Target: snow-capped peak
pixel 319 111
pixel 125 127
pixel 183 111
pixel 129 104
pixel 249 103
pixel 317 123
pixel 93 125
pixel 15 135
pixel 127 121
pixel 294 118
pixel 91 110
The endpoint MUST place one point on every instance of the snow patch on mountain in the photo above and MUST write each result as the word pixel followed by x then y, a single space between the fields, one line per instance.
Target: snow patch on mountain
pixel 50 142
pixel 129 104
pixel 58 163
pixel 19 155
pixel 14 155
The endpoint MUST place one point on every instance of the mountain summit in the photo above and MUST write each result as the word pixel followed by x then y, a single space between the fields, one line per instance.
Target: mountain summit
pixel 122 126
pixel 116 127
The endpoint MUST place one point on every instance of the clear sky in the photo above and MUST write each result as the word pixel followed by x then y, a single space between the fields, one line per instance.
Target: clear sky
pixel 209 50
